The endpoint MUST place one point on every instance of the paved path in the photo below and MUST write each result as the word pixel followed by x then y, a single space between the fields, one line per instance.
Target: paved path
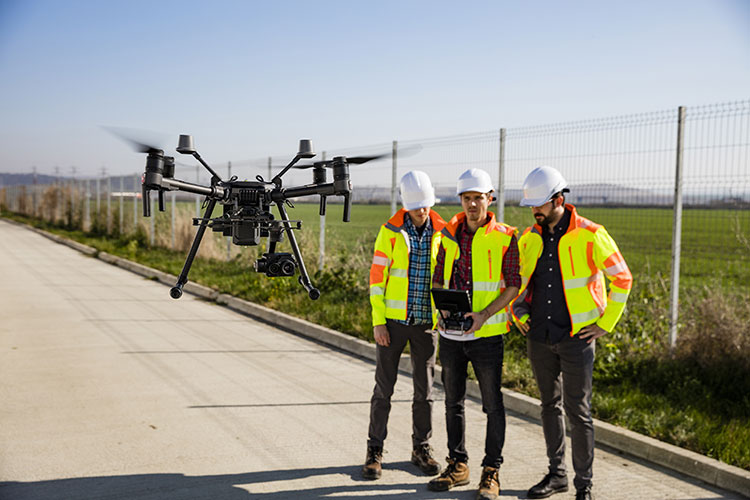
pixel 110 389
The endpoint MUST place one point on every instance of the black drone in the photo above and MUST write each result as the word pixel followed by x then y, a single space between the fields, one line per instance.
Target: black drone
pixel 247 216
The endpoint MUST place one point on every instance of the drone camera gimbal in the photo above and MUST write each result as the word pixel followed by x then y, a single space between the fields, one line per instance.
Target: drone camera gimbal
pixel 247 216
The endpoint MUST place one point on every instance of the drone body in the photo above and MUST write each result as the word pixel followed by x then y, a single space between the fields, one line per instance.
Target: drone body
pixel 247 216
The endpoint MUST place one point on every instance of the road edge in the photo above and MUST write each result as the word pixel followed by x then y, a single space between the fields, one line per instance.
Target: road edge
pixel 686 462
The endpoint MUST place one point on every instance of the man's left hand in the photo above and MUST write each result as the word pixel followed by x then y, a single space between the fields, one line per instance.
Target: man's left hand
pixel 592 332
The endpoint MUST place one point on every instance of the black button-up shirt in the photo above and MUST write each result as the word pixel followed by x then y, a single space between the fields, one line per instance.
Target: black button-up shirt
pixel 550 318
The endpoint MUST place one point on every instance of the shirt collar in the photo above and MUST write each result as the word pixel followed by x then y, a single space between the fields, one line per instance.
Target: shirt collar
pixel 411 227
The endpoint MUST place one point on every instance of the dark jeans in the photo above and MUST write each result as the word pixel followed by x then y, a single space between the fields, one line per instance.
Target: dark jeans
pixel 564 373
pixel 422 347
pixel 486 356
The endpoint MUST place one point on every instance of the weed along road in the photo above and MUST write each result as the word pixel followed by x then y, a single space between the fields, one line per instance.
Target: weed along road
pixel 111 389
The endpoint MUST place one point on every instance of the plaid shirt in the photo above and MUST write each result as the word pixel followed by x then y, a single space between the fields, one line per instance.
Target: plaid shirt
pixel 461 278
pixel 418 305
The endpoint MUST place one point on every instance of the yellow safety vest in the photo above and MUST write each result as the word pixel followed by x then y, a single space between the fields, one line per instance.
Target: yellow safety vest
pixel 389 273
pixel 488 247
pixel 587 253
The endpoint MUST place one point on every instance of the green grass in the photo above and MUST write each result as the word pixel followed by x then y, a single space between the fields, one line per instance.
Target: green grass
pixel 697 397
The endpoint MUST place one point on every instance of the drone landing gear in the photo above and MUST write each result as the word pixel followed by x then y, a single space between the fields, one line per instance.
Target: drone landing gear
pixel 304 278
pixel 176 291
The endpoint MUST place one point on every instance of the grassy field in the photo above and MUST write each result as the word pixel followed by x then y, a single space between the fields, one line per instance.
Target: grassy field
pixel 644 235
pixel 697 397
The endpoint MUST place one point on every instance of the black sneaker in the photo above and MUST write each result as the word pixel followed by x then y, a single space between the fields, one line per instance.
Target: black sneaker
pixel 548 486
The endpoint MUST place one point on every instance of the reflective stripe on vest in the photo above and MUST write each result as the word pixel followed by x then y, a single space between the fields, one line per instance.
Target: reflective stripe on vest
pixel 572 283
pixel 400 273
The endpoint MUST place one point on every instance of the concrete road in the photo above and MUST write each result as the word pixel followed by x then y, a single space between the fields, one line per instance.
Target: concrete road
pixel 110 389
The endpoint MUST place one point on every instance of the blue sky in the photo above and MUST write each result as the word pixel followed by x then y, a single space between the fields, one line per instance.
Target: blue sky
pixel 247 78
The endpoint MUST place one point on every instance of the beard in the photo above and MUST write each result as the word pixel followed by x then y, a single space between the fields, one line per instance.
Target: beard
pixel 542 219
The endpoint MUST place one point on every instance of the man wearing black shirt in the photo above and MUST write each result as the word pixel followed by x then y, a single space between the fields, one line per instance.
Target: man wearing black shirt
pixel 563 308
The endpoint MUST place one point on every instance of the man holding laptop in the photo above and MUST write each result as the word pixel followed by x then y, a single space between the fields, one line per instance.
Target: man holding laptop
pixel 478 254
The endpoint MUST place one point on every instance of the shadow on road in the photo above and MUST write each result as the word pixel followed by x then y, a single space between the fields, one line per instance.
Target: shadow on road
pixel 267 485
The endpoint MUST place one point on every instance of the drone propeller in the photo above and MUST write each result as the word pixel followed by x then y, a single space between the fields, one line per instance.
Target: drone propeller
pixel 140 140
pixel 358 160
pixel 354 160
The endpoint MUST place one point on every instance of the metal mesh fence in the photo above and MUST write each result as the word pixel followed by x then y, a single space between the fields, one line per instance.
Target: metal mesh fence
pixel 621 171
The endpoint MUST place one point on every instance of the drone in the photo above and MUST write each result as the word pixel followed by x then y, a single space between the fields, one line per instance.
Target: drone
pixel 247 216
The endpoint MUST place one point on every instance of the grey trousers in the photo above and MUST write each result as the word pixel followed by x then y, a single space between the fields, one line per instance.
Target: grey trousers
pixel 564 374
pixel 422 347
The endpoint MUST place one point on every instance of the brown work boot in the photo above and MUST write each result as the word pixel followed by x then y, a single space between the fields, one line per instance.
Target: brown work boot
pixel 421 456
pixel 456 474
pixel 489 485
pixel 373 468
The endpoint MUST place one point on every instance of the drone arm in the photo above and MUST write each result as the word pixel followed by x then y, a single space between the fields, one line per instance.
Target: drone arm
pixel 198 157
pixel 212 192
pixel 295 192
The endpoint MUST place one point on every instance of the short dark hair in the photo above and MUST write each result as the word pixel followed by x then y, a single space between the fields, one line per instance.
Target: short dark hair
pixel 560 194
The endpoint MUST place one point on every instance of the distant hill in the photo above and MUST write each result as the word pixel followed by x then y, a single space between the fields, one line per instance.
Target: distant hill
pixel 584 194
pixel 128 181
pixel 25 179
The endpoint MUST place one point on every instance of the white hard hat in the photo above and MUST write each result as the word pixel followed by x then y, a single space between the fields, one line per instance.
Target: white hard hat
pixel 416 190
pixel 540 185
pixel 474 179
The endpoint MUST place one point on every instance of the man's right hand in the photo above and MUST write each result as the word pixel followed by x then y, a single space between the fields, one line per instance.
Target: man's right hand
pixel 524 327
pixel 382 337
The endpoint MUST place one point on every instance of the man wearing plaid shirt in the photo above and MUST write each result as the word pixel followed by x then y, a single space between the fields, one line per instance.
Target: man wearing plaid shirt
pixel 479 254
pixel 400 276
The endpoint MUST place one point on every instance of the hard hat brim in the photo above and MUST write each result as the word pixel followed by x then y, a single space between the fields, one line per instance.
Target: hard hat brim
pixel 537 202
pixel 414 205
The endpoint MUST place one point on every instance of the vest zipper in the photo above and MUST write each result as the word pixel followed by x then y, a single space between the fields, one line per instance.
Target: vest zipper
pixel 489 257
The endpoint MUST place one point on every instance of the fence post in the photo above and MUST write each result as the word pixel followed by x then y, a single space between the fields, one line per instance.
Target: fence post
pixel 394 187
pixel 152 223
pixel 676 231
pixel 229 238
pixel 174 217
pixel 197 198
pixel 109 205
pixel 135 204
pixel 122 195
pixel 34 204
pixel 322 239
pixel 269 170
pixel 72 203
pixel 501 179
pixel 87 204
